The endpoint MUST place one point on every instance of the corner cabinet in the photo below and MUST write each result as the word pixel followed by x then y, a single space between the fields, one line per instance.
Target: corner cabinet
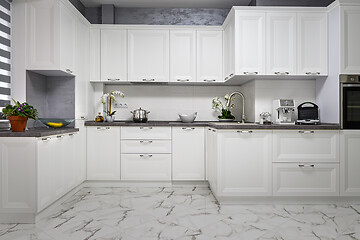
pixel 103 153
pixel 51 36
pixel 210 56
pixel 148 55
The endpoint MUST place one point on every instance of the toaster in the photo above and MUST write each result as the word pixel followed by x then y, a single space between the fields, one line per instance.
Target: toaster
pixel 308 113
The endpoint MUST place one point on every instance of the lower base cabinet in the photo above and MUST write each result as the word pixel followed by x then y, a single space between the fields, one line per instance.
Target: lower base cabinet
pixel 152 167
pixel 302 179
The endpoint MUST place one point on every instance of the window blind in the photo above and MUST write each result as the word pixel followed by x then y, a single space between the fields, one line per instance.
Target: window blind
pixel 5 52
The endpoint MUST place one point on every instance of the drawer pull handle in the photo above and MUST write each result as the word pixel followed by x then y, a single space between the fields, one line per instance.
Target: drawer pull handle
pixel 113 79
pixel 46 139
pixel 183 80
pixel 306 166
pixel 60 137
pixel 281 73
pixel 245 131
pixel 209 80
pixel 148 80
pixel 189 128
pixel 251 73
pixel 148 155
pixel 68 70
pixel 306 132
pixel 142 141
pixel 313 73
pixel 146 128
pixel 103 128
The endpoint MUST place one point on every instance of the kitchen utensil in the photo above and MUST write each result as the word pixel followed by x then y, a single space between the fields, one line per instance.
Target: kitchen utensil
pixel 308 113
pixel 140 115
pixel 56 122
pixel 187 118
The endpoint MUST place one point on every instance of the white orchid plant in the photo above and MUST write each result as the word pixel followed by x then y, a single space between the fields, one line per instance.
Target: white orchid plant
pixel 110 97
pixel 223 109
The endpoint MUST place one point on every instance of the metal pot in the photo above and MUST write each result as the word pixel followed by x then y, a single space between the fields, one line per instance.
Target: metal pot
pixel 140 115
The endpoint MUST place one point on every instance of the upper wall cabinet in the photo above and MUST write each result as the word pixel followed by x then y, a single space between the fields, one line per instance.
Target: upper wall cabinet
pixel 209 56
pixel 51 36
pixel 312 57
pixel 182 55
pixel 148 55
pixel 113 55
pixel 229 50
pixel 95 54
pixel 350 33
pixel 281 43
pixel 250 43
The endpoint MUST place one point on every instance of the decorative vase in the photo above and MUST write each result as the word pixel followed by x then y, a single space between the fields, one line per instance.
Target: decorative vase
pixel 110 118
pixel 18 123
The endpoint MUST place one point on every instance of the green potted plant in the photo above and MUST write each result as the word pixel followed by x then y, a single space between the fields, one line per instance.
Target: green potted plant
pixel 225 113
pixel 18 114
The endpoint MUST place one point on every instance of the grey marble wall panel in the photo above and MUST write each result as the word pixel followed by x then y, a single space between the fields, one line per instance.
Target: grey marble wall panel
pixel 107 14
pixel 170 16
pixel 36 91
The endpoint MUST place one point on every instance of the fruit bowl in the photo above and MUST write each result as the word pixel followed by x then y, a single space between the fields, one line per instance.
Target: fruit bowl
pixel 56 122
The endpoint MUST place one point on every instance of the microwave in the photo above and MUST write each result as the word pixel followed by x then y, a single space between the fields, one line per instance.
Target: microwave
pixel 350 101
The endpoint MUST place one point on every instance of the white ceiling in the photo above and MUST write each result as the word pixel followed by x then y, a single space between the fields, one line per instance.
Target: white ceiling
pixel 168 3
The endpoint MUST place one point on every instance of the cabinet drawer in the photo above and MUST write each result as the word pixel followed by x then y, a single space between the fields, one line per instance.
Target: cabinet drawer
pixel 306 146
pixel 155 167
pixel 146 146
pixel 310 179
pixel 146 132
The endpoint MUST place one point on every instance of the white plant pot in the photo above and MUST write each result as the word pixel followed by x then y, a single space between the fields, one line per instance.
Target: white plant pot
pixel 110 118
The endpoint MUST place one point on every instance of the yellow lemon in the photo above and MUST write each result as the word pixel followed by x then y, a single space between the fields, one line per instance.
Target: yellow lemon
pixel 55 125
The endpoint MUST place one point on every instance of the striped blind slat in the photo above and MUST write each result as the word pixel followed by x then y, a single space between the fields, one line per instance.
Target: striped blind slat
pixel 5 52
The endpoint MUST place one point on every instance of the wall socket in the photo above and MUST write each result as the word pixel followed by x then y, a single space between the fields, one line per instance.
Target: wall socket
pixel 120 105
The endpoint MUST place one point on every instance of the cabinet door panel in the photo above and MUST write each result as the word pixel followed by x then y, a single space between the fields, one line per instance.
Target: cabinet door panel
pixel 209 56
pixel 182 56
pixel 250 43
pixel 103 153
pixel 67 39
pixel 146 133
pixel 281 43
pixel 145 146
pixel 312 44
pixel 188 154
pixel 229 50
pixel 148 55
pixel 113 55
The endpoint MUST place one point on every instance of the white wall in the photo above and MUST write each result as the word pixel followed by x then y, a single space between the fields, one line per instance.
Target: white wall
pixel 165 102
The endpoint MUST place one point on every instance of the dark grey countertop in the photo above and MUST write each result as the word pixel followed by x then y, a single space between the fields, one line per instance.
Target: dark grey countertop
pixel 38 132
pixel 216 125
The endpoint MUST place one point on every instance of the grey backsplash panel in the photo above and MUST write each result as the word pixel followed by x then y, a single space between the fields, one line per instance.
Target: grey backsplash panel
pixel 53 97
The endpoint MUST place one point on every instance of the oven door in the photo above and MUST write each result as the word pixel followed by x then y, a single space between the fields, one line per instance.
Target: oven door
pixel 350 106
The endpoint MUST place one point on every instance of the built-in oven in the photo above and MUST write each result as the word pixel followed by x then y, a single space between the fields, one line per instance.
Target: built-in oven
pixel 350 101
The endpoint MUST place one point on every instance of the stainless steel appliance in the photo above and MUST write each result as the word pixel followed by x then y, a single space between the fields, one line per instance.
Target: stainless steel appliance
pixel 140 115
pixel 350 101
pixel 284 111
pixel 308 113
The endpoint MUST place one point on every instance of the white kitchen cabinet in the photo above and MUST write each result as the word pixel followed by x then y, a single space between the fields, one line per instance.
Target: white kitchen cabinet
pixel 306 146
pixel 209 56
pixel 82 69
pixel 148 55
pixel 145 146
pixel 245 167
pixel 188 149
pixel 95 54
pixel 349 40
pixel 250 43
pixel 146 133
pixel 152 167
pixel 80 151
pixel 312 179
pixel 349 163
pixel 51 34
pixel 182 56
pixel 281 43
pixel 212 159
pixel 113 55
pixel 103 153
pixel 229 49
pixel 312 43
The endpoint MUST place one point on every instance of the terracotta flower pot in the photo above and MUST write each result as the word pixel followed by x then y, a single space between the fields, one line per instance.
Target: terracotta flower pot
pixel 18 123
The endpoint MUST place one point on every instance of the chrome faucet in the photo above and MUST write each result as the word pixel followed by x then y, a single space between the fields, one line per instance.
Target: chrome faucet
pixel 228 103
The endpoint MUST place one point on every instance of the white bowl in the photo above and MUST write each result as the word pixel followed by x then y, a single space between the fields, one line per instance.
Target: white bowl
pixel 187 118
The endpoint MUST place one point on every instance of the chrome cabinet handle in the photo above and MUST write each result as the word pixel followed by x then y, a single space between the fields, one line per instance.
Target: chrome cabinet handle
pixel 213 130
pixel 282 73
pixel 82 118
pixel 306 132
pixel 46 139
pixel 183 80
pixel 306 165
pixel 148 80
pixel 245 131
pixel 228 77
pixel 60 137
pixel 103 128
pixel 142 141
pixel 189 128
pixel 312 73
pixel 148 155
pixel 146 128
pixel 251 73
pixel 209 80
pixel 68 70
pixel 114 79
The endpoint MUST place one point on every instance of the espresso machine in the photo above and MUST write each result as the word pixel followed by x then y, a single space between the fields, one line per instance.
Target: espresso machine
pixel 284 111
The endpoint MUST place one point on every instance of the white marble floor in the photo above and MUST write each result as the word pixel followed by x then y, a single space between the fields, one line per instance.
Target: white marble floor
pixel 184 213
